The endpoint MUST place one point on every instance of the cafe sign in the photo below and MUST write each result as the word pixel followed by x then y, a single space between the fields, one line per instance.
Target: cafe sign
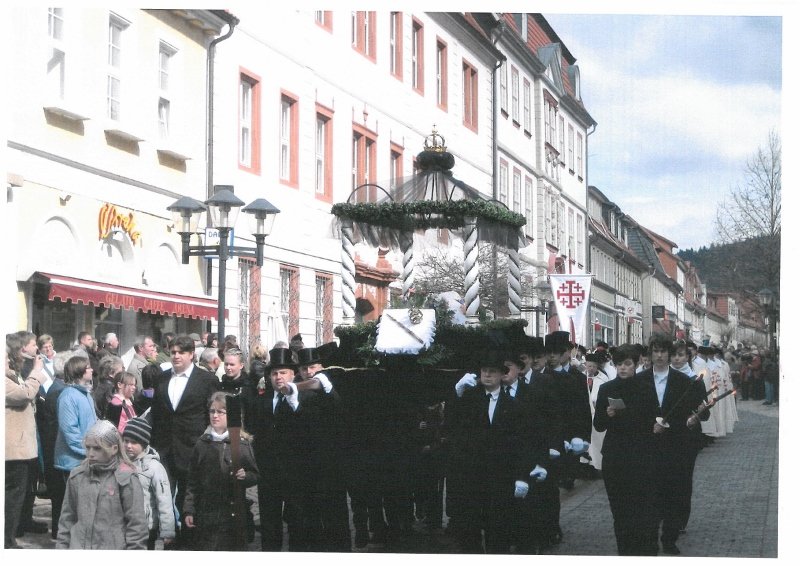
pixel 111 219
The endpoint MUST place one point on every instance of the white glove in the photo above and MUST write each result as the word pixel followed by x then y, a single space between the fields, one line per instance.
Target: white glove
pixel 292 397
pixel 554 454
pixel 539 473
pixel 325 382
pixel 469 380
pixel 578 445
pixel 567 446
pixel 520 489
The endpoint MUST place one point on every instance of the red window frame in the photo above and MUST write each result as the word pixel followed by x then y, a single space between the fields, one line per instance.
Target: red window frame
pixel 470 75
pixel 365 146
pixel 441 75
pixel 255 122
pixel 327 115
pixel 418 62
pixel 364 43
pixel 294 136
pixel 396 21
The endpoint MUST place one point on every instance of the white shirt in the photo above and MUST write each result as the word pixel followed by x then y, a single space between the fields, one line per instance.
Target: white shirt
pixel 493 397
pixel 512 388
pixel 291 398
pixel 661 385
pixel 528 375
pixel 177 385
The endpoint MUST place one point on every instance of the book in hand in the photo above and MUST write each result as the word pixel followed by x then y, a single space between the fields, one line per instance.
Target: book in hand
pixel 616 404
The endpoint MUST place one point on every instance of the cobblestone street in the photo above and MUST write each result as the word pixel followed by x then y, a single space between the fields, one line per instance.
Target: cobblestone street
pixel 735 485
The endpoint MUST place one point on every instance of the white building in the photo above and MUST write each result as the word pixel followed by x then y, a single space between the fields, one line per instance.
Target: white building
pixel 541 148
pixel 107 130
pixel 309 106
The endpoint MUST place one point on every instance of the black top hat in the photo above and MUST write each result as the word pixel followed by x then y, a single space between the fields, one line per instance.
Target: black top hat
pixel 557 341
pixel 327 351
pixel 281 358
pixel 531 345
pixel 492 359
pixel 597 358
pixel 308 356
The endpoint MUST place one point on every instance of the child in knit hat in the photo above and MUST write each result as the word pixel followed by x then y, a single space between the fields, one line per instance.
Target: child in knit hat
pixel 155 483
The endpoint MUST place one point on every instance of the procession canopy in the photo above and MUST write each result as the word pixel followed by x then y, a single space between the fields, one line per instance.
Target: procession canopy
pixel 430 199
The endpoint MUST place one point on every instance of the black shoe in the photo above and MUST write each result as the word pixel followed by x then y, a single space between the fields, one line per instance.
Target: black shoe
pixel 670 549
pixel 362 539
pixel 766 403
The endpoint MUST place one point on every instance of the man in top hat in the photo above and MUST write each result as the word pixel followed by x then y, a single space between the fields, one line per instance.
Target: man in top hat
pixel 281 419
pixel 573 399
pixel 326 509
pixel 488 467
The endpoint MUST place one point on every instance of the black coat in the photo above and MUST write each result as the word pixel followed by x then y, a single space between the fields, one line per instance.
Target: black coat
pixel 573 399
pixel 283 442
pixel 210 495
pixel 682 396
pixel 47 420
pixel 175 431
pixel 491 453
pixel 628 433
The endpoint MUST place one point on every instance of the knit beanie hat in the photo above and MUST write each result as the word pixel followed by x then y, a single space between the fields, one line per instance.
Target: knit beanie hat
pixel 138 429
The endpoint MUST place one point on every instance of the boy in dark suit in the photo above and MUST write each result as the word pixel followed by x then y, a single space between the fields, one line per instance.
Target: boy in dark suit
pixel 674 397
pixel 180 415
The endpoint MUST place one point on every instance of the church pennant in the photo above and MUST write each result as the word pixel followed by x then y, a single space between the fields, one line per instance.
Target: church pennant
pixel 571 296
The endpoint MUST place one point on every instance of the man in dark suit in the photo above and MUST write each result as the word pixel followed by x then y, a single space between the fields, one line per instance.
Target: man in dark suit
pixel 180 415
pixel 573 398
pixel 628 464
pixel 532 524
pixel 674 398
pixel 281 420
pixel 327 510
pixel 488 468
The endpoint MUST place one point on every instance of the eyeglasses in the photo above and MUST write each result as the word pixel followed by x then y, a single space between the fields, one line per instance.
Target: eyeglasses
pixel 217 412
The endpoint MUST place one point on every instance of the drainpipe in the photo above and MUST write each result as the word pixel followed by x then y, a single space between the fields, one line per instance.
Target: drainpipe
pixel 232 21
pixel 495 34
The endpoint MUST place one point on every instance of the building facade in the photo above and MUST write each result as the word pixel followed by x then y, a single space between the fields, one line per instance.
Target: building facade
pixel 107 131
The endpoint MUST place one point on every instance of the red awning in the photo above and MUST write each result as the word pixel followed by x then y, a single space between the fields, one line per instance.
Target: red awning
pixel 105 294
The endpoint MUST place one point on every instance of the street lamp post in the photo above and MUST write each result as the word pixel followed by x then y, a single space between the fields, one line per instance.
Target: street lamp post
pixel 223 208
pixel 542 308
pixel 767 299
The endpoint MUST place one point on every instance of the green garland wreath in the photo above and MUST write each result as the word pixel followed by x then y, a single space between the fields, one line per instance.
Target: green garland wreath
pixel 420 215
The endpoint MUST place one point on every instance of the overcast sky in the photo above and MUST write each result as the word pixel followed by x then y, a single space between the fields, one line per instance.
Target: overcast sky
pixel 681 102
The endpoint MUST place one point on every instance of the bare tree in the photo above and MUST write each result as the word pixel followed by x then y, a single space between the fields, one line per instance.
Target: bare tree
pixel 751 214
